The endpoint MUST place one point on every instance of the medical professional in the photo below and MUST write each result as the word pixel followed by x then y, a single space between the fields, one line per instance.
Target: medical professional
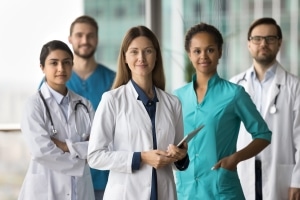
pixel 56 127
pixel 89 78
pixel 274 174
pixel 220 106
pixel 137 124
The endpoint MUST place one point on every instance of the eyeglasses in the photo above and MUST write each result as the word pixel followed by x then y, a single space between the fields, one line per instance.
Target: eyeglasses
pixel 270 39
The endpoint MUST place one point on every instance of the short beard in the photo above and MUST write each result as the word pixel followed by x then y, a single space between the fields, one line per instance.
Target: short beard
pixel 265 60
pixel 87 56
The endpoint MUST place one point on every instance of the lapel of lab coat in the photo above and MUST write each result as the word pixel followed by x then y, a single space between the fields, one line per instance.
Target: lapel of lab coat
pixel 55 111
pixel 274 90
pixel 247 83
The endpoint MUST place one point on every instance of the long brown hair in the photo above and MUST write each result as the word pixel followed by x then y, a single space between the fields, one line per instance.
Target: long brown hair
pixel 123 74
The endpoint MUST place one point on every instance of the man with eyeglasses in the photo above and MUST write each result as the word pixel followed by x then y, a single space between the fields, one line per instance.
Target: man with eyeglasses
pixel 275 173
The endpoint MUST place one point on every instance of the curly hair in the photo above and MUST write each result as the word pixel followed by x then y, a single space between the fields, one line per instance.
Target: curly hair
pixel 203 27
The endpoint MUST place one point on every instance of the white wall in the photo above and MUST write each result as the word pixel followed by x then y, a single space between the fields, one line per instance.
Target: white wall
pixel 25 26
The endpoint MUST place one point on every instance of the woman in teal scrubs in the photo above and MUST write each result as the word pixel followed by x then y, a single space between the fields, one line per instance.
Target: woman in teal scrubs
pixel 221 106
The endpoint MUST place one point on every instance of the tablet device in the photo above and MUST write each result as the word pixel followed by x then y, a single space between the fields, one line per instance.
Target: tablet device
pixel 189 136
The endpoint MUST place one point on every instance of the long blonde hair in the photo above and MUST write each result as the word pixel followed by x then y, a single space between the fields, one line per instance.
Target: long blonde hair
pixel 123 74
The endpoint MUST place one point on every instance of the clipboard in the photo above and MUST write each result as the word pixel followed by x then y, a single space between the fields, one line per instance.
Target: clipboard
pixel 190 136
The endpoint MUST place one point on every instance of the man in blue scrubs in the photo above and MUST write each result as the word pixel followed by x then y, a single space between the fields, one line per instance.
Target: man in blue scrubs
pixel 89 78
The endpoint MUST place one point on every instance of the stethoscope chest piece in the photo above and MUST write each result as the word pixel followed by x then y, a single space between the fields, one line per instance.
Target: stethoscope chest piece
pixel 54 131
pixel 84 136
pixel 273 109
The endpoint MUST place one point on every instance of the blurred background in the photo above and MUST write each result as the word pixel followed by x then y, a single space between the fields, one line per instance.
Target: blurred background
pixel 28 24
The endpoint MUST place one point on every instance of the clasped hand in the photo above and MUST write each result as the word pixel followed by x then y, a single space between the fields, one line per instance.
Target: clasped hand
pixel 160 158
pixel 62 145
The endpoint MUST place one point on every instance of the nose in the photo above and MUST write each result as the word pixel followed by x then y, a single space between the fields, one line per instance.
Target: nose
pixel 203 55
pixel 84 39
pixel 264 42
pixel 141 56
pixel 61 66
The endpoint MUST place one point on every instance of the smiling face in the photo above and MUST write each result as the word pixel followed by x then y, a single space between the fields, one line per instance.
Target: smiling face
pixel 140 58
pixel 84 40
pixel 57 69
pixel 264 53
pixel 204 53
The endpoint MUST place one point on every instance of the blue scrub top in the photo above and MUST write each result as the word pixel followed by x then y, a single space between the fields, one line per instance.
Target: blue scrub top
pixel 92 88
pixel 224 106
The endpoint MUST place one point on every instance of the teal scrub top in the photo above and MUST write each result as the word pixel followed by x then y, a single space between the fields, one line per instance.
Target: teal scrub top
pixel 224 106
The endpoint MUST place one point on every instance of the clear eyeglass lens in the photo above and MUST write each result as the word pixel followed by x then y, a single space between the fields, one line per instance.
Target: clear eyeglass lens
pixel 268 39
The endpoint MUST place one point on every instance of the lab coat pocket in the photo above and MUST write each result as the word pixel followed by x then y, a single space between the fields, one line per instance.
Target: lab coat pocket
pixel 229 184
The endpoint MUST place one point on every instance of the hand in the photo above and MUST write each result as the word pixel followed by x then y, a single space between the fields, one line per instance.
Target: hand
pixel 228 163
pixel 62 145
pixel 176 152
pixel 294 193
pixel 156 158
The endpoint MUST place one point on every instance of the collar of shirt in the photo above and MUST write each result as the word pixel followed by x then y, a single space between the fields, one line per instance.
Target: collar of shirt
pixel 59 98
pixel 212 81
pixel 270 73
pixel 141 94
pixel 262 88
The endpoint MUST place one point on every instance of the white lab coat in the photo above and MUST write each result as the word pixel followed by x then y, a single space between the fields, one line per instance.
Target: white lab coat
pixel 50 169
pixel 121 127
pixel 281 159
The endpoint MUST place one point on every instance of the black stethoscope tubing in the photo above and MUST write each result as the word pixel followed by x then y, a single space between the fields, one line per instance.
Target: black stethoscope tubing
pixel 273 108
pixel 54 131
pixel 242 79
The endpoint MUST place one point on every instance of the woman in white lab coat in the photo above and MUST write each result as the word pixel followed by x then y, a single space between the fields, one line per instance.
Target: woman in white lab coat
pixel 56 134
pixel 281 159
pixel 137 124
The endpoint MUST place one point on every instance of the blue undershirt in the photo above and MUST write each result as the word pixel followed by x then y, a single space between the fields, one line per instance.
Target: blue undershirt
pixel 150 106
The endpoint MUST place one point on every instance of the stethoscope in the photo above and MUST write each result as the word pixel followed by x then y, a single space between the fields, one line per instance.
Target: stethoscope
pixel 79 103
pixel 273 108
pixel 242 79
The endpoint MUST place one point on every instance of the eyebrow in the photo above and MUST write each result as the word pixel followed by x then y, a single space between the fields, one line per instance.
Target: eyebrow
pixel 212 45
pixel 56 59
pixel 152 47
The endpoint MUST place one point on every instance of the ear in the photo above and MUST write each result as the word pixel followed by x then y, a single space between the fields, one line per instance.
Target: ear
pixel 279 43
pixel 220 53
pixel 70 40
pixel 189 55
pixel 249 45
pixel 42 68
